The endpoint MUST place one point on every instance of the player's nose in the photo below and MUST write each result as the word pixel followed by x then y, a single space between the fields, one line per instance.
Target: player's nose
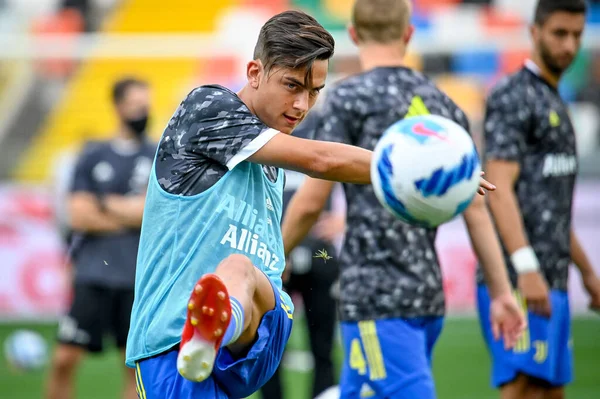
pixel 301 102
pixel 571 45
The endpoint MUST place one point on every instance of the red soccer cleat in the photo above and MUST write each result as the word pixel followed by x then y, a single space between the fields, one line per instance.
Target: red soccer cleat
pixel 209 313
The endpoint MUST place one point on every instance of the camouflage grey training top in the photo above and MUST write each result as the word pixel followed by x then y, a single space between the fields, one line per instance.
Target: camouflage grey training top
pixel 388 268
pixel 527 122
pixel 210 132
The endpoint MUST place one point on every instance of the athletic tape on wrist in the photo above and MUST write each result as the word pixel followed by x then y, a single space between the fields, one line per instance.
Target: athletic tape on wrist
pixel 524 260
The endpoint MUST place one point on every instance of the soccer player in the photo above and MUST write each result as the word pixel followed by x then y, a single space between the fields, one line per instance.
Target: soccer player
pixel 105 208
pixel 391 298
pixel 531 155
pixel 213 212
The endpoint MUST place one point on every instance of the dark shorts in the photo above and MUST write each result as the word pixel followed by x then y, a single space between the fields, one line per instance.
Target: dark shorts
pixel 95 312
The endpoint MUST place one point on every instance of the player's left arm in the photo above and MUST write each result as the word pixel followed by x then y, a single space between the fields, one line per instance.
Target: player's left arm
pixel 487 247
pixel 304 210
pixel 128 210
pixel 482 233
pixel 507 318
pixel 589 277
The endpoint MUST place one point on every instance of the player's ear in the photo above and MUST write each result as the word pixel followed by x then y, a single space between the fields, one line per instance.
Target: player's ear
pixel 534 31
pixel 253 73
pixel 408 33
pixel 352 33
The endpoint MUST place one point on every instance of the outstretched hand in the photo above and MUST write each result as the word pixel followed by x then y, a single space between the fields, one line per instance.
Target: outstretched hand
pixel 485 185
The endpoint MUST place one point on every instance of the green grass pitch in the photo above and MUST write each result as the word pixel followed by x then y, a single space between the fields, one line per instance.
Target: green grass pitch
pixel 461 365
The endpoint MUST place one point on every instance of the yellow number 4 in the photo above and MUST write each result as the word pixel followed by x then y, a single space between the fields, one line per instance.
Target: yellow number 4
pixel 357 360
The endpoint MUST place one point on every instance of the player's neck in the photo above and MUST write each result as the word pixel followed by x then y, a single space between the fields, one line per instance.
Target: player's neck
pixel 244 95
pixel 544 72
pixel 381 55
pixel 125 136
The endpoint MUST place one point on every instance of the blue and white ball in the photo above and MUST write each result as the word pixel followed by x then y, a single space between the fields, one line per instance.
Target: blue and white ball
pixel 26 350
pixel 425 170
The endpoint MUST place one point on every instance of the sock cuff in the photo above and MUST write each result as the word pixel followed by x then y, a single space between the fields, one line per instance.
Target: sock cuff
pixel 237 316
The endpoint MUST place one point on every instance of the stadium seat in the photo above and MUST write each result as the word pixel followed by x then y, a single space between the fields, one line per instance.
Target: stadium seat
pixel 483 64
pixel 421 21
pixel 497 21
pixel 84 110
pixel 593 16
pixel 67 22
pixel 512 60
pixel 467 93
pixel 274 6
pixel 428 5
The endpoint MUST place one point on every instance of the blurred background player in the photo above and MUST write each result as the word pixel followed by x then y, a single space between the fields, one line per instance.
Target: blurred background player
pixel 105 214
pixel 312 277
pixel 531 156
pixel 391 293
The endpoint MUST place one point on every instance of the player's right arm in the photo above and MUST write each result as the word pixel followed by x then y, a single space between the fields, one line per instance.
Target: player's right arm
pixel 85 212
pixel 317 159
pixel 506 124
pixel 330 155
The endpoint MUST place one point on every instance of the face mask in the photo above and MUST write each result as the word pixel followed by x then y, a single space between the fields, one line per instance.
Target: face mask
pixel 138 125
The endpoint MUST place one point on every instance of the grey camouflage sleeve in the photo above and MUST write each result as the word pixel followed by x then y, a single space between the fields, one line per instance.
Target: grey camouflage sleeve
pixel 215 123
pixel 210 132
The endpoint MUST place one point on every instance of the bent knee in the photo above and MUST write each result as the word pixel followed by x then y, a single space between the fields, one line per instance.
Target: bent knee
pixel 66 357
pixel 241 263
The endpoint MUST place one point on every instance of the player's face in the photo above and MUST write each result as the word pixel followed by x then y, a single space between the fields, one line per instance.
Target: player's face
pixel 283 100
pixel 558 40
pixel 135 104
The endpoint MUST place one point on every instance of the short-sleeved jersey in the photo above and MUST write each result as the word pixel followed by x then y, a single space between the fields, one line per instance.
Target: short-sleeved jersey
pixel 527 122
pixel 110 167
pixel 205 202
pixel 210 133
pixel 388 268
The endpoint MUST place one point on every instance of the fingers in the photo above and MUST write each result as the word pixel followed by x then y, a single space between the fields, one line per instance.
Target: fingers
pixel 486 185
pixel 495 330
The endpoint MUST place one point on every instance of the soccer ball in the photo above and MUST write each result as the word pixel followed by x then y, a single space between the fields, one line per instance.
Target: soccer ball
pixel 330 393
pixel 425 170
pixel 26 350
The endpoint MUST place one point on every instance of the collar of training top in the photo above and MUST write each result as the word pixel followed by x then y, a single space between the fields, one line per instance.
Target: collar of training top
pixel 535 70
pixel 532 66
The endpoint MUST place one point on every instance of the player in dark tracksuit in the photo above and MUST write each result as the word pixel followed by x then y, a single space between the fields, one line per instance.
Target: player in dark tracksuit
pixel 105 211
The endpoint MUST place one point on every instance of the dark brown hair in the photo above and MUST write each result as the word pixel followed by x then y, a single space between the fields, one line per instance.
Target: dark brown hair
pixel 120 87
pixel 545 8
pixel 293 39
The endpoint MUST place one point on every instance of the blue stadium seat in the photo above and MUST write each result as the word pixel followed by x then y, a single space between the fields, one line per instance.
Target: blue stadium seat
pixel 421 21
pixel 480 63
pixel 593 15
